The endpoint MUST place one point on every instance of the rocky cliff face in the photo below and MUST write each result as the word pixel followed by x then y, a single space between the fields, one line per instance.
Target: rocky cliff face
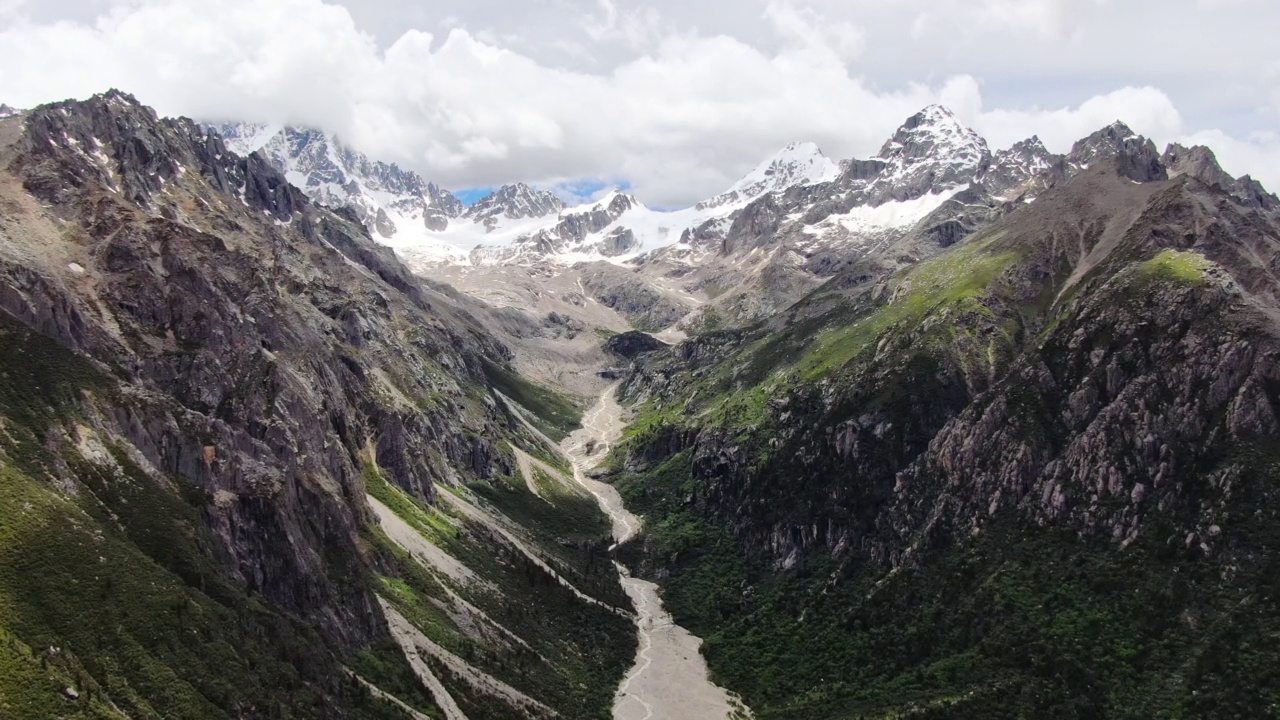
pixel 254 353
pixel 196 300
pixel 950 356
pixel 1098 365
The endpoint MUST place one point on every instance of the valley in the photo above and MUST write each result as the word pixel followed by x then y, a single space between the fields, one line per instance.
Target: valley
pixel 669 678
pixel 287 432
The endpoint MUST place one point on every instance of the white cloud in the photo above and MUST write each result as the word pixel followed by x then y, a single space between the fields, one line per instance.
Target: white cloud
pixel 1045 18
pixel 1219 4
pixel 10 8
pixel 679 117
pixel 637 28
pixel 803 27
pixel 1147 110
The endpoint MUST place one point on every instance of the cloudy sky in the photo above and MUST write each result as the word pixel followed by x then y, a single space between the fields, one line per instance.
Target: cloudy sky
pixel 674 98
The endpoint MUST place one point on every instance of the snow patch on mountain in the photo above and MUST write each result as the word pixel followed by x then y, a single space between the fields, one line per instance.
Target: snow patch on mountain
pixel 246 138
pixel 892 215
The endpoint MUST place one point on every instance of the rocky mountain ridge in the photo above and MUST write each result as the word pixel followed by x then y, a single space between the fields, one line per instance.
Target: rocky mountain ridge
pixel 337 176
pixel 253 467
pixel 1089 375
pixel 824 213
pixel 816 216
pixel 514 202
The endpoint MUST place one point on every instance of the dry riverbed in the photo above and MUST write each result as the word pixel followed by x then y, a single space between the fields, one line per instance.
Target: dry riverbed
pixel 669 678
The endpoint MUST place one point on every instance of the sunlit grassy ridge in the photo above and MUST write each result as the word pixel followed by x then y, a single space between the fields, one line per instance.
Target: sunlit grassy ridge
pixel 951 303
pixel 942 289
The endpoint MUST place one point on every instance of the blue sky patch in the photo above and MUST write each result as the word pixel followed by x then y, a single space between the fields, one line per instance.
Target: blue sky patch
pixel 471 195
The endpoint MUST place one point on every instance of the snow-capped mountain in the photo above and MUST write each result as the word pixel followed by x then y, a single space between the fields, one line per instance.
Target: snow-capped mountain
pixel 930 152
pixel 514 202
pixel 930 160
pixel 395 204
pixel 933 176
pixel 520 225
pixel 796 165
pixel 516 223
pixel 6 111
pixel 793 221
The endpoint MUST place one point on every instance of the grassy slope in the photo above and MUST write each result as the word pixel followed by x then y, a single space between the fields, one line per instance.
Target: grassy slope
pixel 1016 624
pixel 588 648
pixel 554 414
pixel 928 303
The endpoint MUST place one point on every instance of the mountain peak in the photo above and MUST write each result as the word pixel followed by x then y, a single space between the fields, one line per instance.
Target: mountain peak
pixel 1139 159
pixel 1116 132
pixel 797 164
pixel 515 201
pixel 1026 152
pixel 932 115
pixel 118 95
pixel 1197 161
pixel 932 152
pixel 617 198
pixel 932 132
pixel 1120 128
pixel 797 153
pixel 1033 143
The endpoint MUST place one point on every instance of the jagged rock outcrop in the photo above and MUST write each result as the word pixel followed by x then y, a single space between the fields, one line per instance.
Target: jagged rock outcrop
pixel 333 174
pixel 514 202
pixel 1028 166
pixel 1139 159
pixel 1200 163
pixel 631 345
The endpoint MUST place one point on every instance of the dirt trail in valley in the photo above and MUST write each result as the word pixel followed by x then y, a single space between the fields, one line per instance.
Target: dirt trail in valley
pixel 602 426
pixel 669 678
